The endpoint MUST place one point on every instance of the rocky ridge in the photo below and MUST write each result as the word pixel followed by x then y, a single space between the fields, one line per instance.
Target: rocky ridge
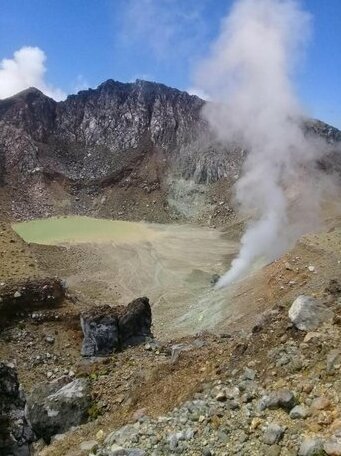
pixel 135 150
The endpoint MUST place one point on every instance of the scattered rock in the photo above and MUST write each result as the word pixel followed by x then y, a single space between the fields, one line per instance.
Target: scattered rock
pixel 333 360
pixel 50 339
pixel 307 313
pixel 249 374
pixel 123 436
pixel 100 435
pixel 221 397
pixel 332 447
pixel 300 412
pixel 273 434
pixel 311 336
pixel 177 349
pixel 206 452
pixel 120 451
pixel 311 447
pixel 88 445
pixel 284 399
pixel 320 403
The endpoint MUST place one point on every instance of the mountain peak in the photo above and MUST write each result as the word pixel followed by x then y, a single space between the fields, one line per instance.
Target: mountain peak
pixel 29 93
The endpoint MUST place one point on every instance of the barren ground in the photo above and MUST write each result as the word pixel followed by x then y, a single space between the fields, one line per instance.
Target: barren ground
pixel 139 378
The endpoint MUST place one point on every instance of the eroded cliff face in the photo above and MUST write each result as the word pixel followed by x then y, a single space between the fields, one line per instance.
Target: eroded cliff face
pixel 136 150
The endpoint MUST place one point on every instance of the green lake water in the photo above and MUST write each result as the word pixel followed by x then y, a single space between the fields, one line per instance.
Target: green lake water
pixel 78 229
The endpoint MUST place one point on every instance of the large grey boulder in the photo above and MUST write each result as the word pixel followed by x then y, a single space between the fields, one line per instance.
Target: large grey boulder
pixel 55 407
pixel 16 434
pixel 307 313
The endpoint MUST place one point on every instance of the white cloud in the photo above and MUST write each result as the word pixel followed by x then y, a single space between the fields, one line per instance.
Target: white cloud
pixel 26 69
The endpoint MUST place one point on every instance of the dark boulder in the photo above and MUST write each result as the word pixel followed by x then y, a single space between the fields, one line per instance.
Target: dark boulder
pixel 55 407
pixel 107 329
pixel 134 324
pixel 100 329
pixel 16 434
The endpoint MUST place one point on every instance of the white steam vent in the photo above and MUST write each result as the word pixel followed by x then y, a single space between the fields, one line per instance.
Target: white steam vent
pixel 249 78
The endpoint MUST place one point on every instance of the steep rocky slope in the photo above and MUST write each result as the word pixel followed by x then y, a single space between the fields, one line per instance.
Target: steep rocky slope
pixel 136 150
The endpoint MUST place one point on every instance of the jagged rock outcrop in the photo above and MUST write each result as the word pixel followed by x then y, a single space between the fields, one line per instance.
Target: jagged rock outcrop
pixel 27 294
pixel 107 329
pixel 16 433
pixel 131 135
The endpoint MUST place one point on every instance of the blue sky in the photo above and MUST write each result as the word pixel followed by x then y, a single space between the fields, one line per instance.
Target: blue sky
pixel 88 41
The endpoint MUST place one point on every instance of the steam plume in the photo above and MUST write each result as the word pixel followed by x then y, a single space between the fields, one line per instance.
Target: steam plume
pixel 249 75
